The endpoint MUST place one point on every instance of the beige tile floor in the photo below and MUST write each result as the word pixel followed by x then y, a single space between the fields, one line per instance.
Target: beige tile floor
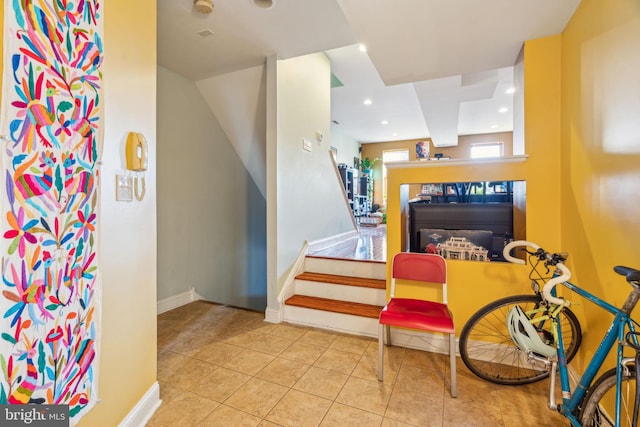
pixel 221 366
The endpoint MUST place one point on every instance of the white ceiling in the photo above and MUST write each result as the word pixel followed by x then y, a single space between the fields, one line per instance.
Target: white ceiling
pixel 432 67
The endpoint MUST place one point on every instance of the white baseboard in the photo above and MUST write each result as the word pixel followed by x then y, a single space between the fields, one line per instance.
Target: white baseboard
pixel 144 409
pixel 272 315
pixel 178 300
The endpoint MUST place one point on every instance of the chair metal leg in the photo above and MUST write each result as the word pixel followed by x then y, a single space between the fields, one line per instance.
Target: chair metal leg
pixel 452 358
pixel 388 329
pixel 381 328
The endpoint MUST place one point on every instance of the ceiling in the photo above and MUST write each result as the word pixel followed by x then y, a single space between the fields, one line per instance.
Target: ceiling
pixel 433 68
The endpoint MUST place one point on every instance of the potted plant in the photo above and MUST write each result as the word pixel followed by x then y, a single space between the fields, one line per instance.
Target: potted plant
pixel 366 164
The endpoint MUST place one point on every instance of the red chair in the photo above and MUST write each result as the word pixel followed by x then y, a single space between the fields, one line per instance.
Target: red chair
pixel 416 313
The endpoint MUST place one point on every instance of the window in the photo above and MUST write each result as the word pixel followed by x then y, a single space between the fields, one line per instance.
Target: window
pixel 492 149
pixel 390 156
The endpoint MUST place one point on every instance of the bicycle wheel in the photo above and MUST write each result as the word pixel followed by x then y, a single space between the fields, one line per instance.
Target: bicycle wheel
pixel 488 351
pixel 598 407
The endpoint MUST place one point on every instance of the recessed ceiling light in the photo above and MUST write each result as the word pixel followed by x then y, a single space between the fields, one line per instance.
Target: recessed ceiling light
pixel 503 110
pixel 494 126
pixel 367 101
pixel 510 90
pixel 384 122
pixel 362 48
pixel 395 134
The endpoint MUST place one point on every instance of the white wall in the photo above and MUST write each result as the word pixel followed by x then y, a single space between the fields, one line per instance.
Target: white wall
pixel 244 123
pixel 310 204
pixel 347 147
pixel 211 213
pixel 518 105
pixel 219 245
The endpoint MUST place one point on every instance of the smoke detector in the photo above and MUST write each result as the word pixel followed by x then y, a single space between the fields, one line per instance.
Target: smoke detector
pixel 203 6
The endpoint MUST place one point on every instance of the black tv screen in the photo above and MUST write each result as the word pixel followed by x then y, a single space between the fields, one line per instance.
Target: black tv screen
pixel 494 217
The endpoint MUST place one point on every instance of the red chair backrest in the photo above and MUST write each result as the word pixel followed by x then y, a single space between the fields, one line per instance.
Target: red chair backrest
pixel 419 267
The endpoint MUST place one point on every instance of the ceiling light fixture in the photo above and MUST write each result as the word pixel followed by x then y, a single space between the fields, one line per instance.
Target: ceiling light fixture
pixel 503 110
pixel 367 101
pixel 510 90
pixel 384 122
pixel 263 4
pixel 203 6
pixel 362 48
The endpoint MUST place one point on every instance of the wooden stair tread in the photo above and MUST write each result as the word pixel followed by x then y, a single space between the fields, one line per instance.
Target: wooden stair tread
pixel 335 306
pixel 343 280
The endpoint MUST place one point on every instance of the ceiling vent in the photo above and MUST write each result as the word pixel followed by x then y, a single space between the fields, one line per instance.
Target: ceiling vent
pixel 205 33
pixel 263 4
pixel 203 6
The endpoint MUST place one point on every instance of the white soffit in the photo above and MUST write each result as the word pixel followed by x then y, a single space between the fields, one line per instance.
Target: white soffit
pixel 398 104
pixel 415 40
pixel 466 104
pixel 244 35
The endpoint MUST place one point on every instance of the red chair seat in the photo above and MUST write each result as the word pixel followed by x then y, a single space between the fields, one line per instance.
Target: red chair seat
pixel 418 314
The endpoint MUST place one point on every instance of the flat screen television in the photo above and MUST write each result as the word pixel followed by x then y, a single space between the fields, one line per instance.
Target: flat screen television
pixel 494 217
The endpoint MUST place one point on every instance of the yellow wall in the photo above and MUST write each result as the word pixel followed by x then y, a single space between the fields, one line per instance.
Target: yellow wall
pixel 601 152
pixel 582 137
pixel 474 284
pixel 461 151
pixel 127 230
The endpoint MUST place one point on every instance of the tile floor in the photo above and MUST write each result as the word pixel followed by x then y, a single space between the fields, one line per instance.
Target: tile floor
pixel 221 366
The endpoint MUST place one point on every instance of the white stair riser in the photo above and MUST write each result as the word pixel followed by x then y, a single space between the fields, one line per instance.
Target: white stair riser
pixel 341 292
pixel 365 326
pixel 371 270
pixel 338 322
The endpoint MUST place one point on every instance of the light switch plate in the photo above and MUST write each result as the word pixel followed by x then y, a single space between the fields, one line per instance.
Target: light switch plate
pixel 124 188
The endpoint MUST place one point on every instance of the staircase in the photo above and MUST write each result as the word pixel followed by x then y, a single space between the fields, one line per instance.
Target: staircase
pixel 338 294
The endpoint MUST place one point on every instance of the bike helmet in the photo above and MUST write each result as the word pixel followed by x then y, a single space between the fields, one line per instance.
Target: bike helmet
pixel 525 336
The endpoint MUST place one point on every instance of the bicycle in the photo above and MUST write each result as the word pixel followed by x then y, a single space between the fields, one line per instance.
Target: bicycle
pixel 525 338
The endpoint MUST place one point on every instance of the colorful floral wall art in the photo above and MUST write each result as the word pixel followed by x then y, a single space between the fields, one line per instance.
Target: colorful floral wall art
pixel 51 125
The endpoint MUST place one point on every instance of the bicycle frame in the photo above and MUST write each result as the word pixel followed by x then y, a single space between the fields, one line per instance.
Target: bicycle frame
pixel 621 322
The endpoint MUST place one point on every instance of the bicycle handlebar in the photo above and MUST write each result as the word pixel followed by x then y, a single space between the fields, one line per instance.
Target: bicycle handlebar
pixel 506 252
pixel 553 282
